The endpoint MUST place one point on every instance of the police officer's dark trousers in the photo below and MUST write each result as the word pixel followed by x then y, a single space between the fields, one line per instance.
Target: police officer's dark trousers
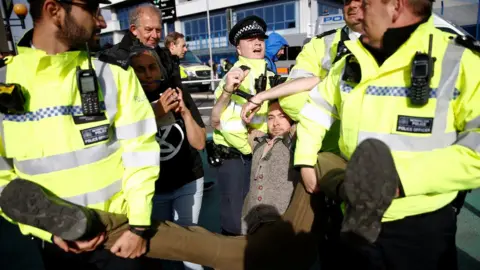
pixel 423 242
pixel 233 178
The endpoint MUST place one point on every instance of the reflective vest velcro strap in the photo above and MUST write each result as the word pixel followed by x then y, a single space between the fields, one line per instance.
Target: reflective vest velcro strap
pixel 399 142
pixel 6 163
pixel 98 196
pixel 470 140
pixel 318 115
pixel 105 79
pixel 67 161
pixel 134 130
pixel 300 73
pixel 141 159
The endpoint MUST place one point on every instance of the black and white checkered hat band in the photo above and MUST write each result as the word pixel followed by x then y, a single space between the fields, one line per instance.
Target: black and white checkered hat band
pixel 253 26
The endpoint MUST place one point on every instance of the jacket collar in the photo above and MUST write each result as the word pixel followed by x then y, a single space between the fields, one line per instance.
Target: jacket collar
pixel 287 139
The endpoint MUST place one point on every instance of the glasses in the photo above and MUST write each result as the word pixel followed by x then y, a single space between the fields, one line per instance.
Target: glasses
pixel 90 6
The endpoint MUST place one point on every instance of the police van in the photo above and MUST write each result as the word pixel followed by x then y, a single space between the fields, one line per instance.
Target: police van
pixel 330 22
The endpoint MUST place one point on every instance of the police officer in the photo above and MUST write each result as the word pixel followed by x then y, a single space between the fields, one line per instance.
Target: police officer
pixel 231 134
pixel 312 65
pixel 407 96
pixel 82 130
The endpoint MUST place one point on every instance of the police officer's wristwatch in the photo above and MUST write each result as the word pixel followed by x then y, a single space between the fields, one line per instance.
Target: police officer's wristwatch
pixel 144 232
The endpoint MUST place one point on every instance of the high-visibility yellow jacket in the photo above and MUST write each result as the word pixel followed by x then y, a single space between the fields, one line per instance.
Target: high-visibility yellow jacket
pixel 109 163
pixel 234 131
pixel 435 147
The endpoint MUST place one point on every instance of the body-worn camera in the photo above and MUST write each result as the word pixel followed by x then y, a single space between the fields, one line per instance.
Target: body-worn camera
pixel 261 82
pixel 213 156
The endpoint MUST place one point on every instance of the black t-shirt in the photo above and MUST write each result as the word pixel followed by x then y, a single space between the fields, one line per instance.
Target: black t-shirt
pixel 180 163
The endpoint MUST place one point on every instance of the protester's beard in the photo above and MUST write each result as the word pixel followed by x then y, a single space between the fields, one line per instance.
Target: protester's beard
pixel 73 34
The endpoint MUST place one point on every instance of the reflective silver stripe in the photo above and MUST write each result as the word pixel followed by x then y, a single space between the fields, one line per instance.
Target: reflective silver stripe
pixel 141 159
pixel 326 61
pixel 300 73
pixel 316 114
pixel 316 96
pixel 470 140
pixel 398 142
pixel 98 196
pixel 108 87
pixel 67 160
pixel 3 74
pixel 1 189
pixel 6 163
pixel 473 124
pixel 137 129
pixel 446 86
pixel 233 126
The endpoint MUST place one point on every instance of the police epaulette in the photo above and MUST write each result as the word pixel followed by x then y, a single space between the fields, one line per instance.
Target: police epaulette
pixel 467 42
pixel 329 32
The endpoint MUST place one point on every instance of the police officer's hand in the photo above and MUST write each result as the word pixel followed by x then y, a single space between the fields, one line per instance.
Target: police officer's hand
pixel 168 101
pixel 250 108
pixel 79 246
pixel 129 245
pixel 309 179
pixel 234 78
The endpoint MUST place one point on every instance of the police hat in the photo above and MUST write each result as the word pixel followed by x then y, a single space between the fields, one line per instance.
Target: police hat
pixel 251 26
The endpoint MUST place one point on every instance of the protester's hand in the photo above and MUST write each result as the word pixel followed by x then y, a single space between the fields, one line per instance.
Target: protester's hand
pixel 250 108
pixel 309 179
pixel 129 245
pixel 234 78
pixel 182 109
pixel 79 246
pixel 167 102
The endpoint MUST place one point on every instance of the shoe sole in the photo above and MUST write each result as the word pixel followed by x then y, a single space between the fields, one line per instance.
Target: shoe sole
pixel 371 182
pixel 27 203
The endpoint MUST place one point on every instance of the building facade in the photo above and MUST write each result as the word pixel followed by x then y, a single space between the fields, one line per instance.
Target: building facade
pixel 294 19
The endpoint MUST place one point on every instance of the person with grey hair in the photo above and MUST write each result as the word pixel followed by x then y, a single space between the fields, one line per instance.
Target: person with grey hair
pixel 145 29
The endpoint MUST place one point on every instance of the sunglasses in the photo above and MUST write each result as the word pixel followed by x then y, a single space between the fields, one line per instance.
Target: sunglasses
pixel 89 6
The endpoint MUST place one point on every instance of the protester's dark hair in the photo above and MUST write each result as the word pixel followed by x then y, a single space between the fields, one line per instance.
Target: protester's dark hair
pixel 273 101
pixel 172 38
pixel 142 49
pixel 36 7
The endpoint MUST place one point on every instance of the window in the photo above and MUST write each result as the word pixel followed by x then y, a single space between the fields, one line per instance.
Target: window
pixel 196 29
pixel 277 17
pixel 326 9
pixel 106 39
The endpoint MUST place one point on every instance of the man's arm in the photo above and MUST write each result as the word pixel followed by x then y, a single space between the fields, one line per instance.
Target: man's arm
pixel 136 128
pixel 308 65
pixel 456 167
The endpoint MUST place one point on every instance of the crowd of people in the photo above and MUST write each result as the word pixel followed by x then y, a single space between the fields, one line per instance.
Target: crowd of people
pixel 358 160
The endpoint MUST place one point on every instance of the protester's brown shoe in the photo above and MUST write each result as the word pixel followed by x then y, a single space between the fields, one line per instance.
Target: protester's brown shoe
pixel 28 203
pixel 370 185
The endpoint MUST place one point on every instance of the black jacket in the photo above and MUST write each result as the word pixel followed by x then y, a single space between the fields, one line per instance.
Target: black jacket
pixel 120 55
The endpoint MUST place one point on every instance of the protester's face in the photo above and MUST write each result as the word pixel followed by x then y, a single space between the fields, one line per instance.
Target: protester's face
pixel 149 29
pixel 252 48
pixel 147 70
pixel 352 12
pixel 79 23
pixel 278 122
pixel 377 18
pixel 179 48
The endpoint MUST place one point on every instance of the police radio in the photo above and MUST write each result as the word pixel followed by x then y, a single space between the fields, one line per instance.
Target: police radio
pixel 261 82
pixel 422 72
pixel 88 86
